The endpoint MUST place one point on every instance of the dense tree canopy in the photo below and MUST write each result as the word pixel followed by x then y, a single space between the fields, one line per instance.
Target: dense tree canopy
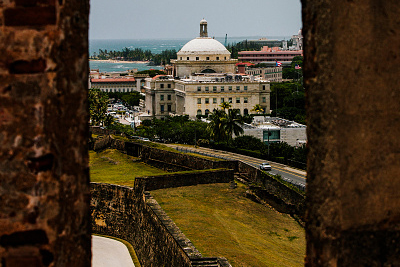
pixel 98 102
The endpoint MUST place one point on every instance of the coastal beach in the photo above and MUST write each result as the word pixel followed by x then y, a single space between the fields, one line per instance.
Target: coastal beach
pixel 119 61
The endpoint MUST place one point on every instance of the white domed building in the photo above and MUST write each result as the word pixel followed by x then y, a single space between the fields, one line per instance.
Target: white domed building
pixel 203 55
pixel 203 78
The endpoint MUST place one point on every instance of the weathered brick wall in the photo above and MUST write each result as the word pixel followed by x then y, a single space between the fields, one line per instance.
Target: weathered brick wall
pixel 352 79
pixel 185 179
pixel 122 212
pixel 44 188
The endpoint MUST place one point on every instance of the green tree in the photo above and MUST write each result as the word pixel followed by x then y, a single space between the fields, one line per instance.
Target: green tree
pixel 225 105
pixel 98 102
pixel 216 125
pixel 232 124
pixel 258 108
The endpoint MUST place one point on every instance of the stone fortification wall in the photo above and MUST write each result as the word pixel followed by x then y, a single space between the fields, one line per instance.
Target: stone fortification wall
pixel 122 212
pixel 189 161
pixel 185 179
pixel 275 192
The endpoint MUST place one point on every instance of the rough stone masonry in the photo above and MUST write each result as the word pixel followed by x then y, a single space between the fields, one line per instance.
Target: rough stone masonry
pixel 44 179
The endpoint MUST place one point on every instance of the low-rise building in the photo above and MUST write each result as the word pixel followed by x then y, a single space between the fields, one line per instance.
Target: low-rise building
pixel 272 74
pixel 273 129
pixel 114 84
pixel 269 55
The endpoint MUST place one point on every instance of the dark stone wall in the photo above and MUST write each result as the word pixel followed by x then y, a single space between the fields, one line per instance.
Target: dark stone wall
pixel 352 78
pixel 276 193
pixel 185 179
pixel 44 188
pixel 123 212
pixel 181 159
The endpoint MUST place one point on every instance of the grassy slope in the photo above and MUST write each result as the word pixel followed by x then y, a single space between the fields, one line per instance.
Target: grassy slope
pixel 113 167
pixel 222 222
pixel 218 220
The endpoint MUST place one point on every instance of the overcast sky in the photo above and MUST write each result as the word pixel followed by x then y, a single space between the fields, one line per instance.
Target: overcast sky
pixel 169 19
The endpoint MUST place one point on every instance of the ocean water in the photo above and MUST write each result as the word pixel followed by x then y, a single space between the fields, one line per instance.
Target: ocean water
pixel 154 45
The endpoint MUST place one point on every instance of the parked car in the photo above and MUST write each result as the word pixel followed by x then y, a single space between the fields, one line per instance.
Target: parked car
pixel 265 166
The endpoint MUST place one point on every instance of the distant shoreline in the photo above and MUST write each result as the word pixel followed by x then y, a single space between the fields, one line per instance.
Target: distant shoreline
pixel 119 61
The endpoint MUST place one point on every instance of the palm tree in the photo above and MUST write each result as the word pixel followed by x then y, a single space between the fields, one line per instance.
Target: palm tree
pixel 216 125
pixel 232 124
pixel 225 105
pixel 258 108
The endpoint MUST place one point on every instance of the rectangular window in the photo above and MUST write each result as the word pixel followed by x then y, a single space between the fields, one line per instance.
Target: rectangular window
pixel 214 101
pixel 237 99
pixel 207 101
pixel 263 87
pixel 162 108
pixel 169 85
pixel 161 85
pixel 169 108
pixel 161 97
pixel 207 89
pixel 245 100
pixel 230 88
pixel 197 58
pixel 214 88
pixel 264 100
pixel 222 88
pixel 181 58
pixel 187 58
pixel 207 58
pixel 222 100
pixel 237 88
pixel 245 87
pixel 169 97
pixel 198 88
pixel 230 100
pixel 217 58
pixel 198 100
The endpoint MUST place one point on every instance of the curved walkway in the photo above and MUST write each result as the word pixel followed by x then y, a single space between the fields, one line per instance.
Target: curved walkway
pixel 109 252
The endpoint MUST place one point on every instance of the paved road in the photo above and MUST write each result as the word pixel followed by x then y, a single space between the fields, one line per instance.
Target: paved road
pixel 296 175
pixel 109 252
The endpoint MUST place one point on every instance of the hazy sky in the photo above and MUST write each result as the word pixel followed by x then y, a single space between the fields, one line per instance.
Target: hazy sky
pixel 134 19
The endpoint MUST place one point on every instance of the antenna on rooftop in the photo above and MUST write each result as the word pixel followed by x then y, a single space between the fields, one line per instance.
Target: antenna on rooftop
pixel 226 38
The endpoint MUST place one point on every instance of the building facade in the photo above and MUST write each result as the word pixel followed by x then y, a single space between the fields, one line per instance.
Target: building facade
pixel 268 55
pixel 203 78
pixel 122 85
pixel 272 74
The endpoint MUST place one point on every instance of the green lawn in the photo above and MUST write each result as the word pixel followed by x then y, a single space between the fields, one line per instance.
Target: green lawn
pixel 222 222
pixel 112 167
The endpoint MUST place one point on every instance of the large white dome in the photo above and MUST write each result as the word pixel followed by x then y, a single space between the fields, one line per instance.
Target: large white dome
pixel 203 46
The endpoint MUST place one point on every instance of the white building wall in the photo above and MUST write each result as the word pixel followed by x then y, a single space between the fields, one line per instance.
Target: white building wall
pixel 292 135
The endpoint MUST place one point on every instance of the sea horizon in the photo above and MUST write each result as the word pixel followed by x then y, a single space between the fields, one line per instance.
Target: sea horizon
pixel 155 45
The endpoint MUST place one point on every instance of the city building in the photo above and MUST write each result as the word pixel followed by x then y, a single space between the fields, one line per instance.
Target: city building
pixel 269 55
pixel 203 78
pixel 272 74
pixel 273 129
pixel 127 81
pixel 122 85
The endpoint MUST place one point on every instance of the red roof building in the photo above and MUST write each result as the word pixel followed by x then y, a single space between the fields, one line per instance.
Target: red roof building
pixel 268 54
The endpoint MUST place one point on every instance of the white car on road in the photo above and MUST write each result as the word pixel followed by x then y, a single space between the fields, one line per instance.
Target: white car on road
pixel 265 166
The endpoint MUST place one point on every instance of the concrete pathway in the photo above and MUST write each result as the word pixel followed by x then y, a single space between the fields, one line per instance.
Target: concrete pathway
pixel 109 252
